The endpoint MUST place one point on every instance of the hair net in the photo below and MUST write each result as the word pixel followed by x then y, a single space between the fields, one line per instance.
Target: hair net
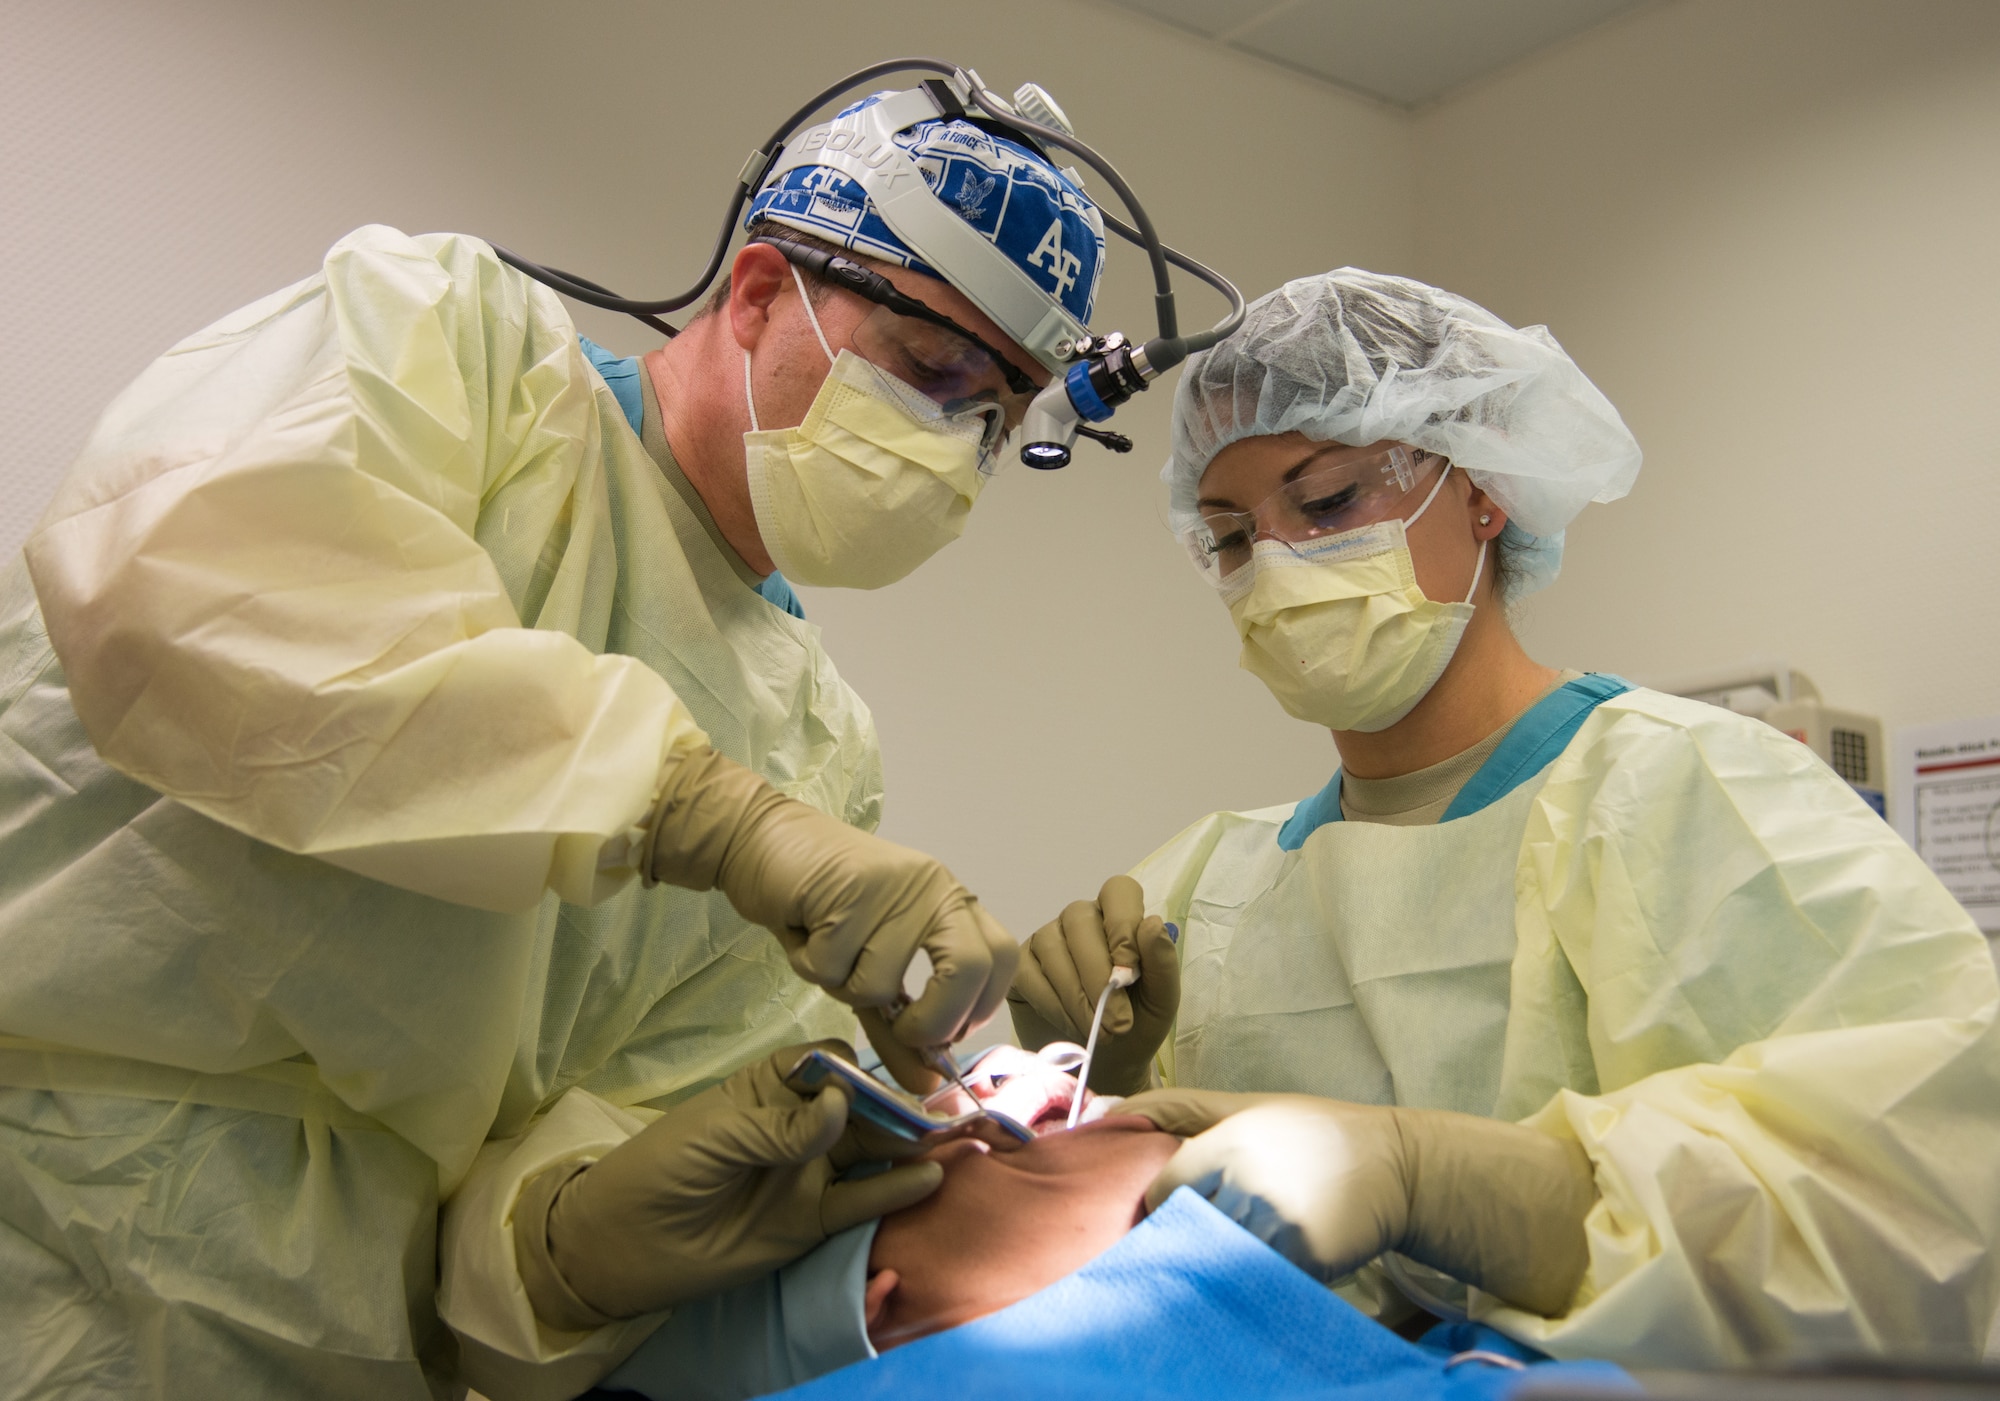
pixel 1027 208
pixel 1357 357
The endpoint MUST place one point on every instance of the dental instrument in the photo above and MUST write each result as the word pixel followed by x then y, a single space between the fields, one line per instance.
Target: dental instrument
pixel 1120 978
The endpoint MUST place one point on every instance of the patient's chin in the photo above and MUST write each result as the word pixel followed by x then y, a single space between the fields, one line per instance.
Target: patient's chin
pixel 1006 1225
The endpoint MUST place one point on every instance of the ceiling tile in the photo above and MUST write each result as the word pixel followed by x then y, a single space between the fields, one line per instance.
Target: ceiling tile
pixel 1210 17
pixel 1411 51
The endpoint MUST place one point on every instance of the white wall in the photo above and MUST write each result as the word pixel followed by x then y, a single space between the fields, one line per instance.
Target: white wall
pixel 1768 232
pixel 1036 685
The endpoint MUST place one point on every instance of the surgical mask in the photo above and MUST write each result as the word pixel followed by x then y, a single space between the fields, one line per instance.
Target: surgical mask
pixel 875 480
pixel 1337 628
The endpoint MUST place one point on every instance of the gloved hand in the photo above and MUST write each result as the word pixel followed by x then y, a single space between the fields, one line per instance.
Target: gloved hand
pixel 850 908
pixel 1065 967
pixel 730 1185
pixel 1332 1185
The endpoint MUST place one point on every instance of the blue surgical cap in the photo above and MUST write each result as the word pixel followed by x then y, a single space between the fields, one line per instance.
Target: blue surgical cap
pixel 1029 210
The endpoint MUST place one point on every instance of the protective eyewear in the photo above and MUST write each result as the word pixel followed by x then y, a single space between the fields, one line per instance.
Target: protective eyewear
pixel 925 349
pixel 1314 501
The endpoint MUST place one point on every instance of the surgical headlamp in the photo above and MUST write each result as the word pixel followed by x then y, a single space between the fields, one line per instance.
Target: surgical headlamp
pixel 1094 373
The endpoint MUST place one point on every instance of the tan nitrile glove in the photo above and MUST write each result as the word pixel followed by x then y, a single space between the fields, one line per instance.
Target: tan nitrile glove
pixel 730 1185
pixel 850 908
pixel 1332 1185
pixel 1065 966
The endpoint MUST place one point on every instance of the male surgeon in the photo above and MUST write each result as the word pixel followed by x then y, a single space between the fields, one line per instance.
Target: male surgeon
pixel 407 745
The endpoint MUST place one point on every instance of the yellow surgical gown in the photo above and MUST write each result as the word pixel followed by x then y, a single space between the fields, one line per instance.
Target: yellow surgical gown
pixel 333 688
pixel 1687 945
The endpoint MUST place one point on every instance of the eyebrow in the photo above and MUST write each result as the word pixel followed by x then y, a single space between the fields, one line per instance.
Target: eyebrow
pixel 1292 474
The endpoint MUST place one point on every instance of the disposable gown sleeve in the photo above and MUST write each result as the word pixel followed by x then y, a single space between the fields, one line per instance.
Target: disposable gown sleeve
pixel 1796 1123
pixel 506 1353
pixel 288 578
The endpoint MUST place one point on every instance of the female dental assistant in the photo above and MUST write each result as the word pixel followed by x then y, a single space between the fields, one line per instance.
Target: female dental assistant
pixel 1611 1019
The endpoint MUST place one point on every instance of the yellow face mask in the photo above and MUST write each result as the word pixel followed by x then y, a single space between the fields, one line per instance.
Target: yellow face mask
pixel 875 481
pixel 1338 629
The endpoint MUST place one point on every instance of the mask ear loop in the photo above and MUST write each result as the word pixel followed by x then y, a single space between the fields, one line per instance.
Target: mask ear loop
pixel 750 399
pixel 1412 520
pixel 810 315
pixel 1479 567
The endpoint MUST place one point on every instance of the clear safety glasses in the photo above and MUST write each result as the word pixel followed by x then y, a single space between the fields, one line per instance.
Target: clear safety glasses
pixel 1314 501
pixel 945 362
pixel 952 372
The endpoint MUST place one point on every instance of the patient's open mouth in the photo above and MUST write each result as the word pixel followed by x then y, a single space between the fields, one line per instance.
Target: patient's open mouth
pixel 1034 1089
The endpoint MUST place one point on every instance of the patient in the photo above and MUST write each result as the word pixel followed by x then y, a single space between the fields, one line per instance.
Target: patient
pixel 1187 1304
pixel 1003 1226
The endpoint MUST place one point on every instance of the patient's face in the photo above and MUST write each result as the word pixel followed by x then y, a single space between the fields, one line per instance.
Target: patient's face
pixel 1005 1225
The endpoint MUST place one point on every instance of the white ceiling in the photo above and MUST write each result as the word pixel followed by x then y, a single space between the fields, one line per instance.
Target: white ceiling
pixel 1408 52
